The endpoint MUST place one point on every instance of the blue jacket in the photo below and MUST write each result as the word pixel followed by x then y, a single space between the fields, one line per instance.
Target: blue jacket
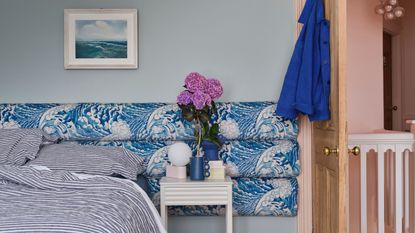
pixel 306 87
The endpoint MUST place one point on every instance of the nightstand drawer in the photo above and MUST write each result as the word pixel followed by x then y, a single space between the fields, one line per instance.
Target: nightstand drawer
pixel 199 190
pixel 195 195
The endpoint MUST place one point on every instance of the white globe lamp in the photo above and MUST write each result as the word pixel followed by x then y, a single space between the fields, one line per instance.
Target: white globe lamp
pixel 179 155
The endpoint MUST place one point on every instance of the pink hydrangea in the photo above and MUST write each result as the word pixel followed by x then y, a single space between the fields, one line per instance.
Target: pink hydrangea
pixel 184 98
pixel 214 88
pixel 195 82
pixel 201 99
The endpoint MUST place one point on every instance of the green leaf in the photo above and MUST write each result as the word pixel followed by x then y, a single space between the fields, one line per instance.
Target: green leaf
pixel 214 129
pixel 205 129
pixel 215 140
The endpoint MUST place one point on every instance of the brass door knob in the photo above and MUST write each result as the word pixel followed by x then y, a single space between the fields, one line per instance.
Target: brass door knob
pixel 355 151
pixel 327 151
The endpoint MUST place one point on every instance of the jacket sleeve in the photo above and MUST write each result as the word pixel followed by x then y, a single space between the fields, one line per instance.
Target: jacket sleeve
pixel 322 84
pixel 308 71
pixel 322 106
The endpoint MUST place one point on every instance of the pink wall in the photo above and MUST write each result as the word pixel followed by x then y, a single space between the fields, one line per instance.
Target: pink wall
pixel 408 57
pixel 365 70
pixel 364 88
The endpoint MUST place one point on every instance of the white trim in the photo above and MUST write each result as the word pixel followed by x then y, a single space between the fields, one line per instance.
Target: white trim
pixel 305 199
pixel 382 142
pixel 381 137
pixel 400 149
pixel 407 191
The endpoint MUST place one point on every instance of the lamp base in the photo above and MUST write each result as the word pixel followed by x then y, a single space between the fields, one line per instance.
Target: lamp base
pixel 176 172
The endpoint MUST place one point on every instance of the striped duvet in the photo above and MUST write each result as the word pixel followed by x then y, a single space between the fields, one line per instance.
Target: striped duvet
pixel 33 200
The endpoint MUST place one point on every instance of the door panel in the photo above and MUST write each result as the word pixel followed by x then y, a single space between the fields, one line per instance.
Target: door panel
pixel 330 173
pixel 388 107
pixel 326 179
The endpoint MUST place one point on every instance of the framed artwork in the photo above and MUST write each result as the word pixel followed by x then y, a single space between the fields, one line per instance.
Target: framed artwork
pixel 101 39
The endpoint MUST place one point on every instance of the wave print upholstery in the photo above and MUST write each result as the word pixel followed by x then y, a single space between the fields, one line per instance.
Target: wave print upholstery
pixel 243 158
pixel 260 150
pixel 143 121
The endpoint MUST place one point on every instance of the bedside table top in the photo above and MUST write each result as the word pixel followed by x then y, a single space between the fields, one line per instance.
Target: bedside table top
pixel 188 181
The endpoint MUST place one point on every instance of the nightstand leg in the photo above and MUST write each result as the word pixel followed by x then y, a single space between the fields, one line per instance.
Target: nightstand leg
pixel 163 210
pixel 229 219
pixel 229 223
pixel 164 215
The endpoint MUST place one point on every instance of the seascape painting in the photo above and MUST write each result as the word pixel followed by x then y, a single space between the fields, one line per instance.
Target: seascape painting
pixel 101 39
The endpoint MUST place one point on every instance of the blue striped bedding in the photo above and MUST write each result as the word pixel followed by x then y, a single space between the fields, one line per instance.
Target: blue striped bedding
pixel 17 145
pixel 34 200
pixel 93 160
pixel 260 147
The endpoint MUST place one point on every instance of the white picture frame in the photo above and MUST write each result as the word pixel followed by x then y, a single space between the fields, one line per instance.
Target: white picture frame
pixel 100 39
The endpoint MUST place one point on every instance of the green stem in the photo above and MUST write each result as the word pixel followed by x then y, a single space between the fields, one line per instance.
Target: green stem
pixel 199 138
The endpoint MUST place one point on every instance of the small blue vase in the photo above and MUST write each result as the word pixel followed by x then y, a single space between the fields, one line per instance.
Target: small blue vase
pixel 199 168
pixel 211 150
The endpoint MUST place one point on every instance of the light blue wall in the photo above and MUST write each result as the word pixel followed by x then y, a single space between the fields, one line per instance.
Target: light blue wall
pixel 247 44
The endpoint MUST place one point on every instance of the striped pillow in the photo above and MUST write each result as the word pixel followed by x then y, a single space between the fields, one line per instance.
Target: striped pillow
pixel 19 145
pixel 93 160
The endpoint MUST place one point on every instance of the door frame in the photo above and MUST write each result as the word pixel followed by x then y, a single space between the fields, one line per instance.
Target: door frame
pixel 398 81
pixel 305 181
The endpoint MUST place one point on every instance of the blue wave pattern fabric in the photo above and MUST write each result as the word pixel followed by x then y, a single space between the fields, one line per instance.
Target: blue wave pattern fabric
pixel 144 121
pixel 251 197
pixel 242 158
pixel 260 147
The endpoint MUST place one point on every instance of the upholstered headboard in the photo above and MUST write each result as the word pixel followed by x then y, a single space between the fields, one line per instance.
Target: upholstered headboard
pixel 260 152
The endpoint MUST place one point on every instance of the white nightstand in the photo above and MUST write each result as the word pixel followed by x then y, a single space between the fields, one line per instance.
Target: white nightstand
pixel 175 192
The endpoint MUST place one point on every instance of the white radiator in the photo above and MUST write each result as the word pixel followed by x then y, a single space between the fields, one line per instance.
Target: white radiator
pixel 392 176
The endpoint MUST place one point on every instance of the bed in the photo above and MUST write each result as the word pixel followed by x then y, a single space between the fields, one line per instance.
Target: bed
pixel 40 200
pixel 261 151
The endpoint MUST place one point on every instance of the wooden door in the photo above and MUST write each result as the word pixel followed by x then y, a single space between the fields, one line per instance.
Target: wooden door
pixel 388 107
pixel 330 173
